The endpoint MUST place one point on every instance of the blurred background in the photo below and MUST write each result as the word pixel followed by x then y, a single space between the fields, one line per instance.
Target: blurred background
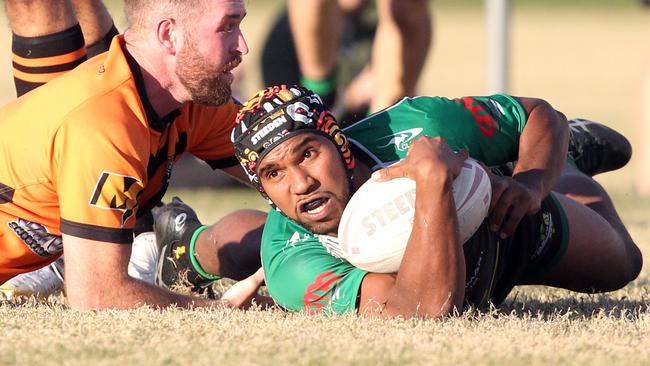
pixel 588 58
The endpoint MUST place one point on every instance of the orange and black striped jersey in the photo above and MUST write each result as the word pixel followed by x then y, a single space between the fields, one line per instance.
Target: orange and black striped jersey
pixel 83 153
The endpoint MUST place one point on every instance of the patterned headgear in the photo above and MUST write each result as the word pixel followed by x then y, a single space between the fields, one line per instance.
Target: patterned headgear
pixel 277 113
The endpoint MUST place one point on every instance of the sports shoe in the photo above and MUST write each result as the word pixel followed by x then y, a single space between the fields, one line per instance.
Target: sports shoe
pixel 144 257
pixel 41 283
pixel 174 225
pixel 596 148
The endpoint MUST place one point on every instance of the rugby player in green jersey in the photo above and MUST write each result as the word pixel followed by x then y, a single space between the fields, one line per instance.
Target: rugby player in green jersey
pixel 550 223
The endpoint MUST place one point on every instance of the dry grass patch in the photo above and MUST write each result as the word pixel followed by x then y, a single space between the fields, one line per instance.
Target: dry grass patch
pixel 536 328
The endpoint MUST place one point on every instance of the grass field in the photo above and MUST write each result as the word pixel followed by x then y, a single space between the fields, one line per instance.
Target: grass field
pixel 587 60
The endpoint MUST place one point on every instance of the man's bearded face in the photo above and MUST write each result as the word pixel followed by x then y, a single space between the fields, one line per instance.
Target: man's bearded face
pixel 207 83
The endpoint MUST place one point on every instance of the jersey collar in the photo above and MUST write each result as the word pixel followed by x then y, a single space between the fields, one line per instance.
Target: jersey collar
pixel 155 122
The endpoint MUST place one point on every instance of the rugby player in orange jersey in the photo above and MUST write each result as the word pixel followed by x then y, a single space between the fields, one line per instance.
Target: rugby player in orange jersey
pixel 92 150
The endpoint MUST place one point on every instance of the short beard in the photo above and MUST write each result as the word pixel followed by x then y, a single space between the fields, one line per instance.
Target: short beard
pixel 322 229
pixel 202 80
pixel 327 228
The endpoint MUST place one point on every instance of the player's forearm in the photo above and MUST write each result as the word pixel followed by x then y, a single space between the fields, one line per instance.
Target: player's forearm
pixel 542 147
pixel 129 293
pixel 431 279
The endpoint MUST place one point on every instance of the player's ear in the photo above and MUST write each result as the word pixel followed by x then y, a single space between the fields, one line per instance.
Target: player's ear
pixel 167 35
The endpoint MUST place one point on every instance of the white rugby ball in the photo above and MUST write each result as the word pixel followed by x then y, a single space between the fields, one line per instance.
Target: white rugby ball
pixel 377 221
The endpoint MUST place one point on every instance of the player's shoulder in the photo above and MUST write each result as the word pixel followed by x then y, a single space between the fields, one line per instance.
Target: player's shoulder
pixel 285 241
pixel 279 231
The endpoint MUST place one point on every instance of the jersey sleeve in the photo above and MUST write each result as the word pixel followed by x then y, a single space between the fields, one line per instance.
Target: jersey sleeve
pixel 488 127
pixel 209 130
pixel 508 113
pixel 100 170
pixel 302 276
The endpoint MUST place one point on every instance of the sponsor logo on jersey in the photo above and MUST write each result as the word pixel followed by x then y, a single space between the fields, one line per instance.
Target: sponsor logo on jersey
pixel 319 292
pixel 475 275
pixel 117 192
pixel 546 232
pixel 401 140
pixel 485 121
pixel 6 194
pixel 36 237
pixel 296 238
pixel 331 244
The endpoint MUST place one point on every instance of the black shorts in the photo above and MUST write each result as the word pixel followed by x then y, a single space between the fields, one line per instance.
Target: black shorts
pixel 494 266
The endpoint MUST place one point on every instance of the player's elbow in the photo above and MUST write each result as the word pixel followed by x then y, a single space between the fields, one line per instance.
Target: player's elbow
pixel 626 270
pixel 630 267
pixel 635 262
pixel 440 309
pixel 439 306
pixel 81 301
pixel 90 297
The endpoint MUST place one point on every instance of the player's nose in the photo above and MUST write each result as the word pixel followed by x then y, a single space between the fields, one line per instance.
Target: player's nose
pixel 301 181
pixel 242 45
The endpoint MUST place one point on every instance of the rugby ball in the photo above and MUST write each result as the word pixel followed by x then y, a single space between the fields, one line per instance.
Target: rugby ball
pixel 377 221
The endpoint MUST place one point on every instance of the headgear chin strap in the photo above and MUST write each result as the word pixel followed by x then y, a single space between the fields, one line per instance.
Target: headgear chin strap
pixel 277 113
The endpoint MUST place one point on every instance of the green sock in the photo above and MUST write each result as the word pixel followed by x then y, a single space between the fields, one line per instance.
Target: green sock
pixel 320 86
pixel 195 262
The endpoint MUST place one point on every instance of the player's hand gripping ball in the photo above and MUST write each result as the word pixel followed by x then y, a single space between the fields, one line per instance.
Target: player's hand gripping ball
pixel 377 222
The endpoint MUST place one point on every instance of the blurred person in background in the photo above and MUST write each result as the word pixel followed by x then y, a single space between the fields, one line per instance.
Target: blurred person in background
pixel 314 40
pixel 52 37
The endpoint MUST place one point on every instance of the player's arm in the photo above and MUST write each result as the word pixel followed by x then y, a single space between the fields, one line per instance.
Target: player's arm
pixel 244 292
pixel 431 279
pixel 542 152
pixel 238 173
pixel 96 278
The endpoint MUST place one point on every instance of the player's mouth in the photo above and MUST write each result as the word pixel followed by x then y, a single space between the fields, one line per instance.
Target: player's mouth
pixel 226 71
pixel 315 209
pixel 231 65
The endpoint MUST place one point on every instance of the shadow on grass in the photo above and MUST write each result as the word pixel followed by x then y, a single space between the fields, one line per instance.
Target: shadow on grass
pixel 576 306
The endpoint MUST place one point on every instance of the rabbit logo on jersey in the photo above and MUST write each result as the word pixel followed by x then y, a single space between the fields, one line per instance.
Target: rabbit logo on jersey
pixel 401 140
pixel 117 192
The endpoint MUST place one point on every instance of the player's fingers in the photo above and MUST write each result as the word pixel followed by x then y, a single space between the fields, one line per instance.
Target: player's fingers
pixel 515 215
pixel 500 211
pixel 498 187
pixel 259 275
pixel 397 170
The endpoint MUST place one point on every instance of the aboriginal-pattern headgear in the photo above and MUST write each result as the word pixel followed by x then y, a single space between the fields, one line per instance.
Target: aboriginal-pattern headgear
pixel 277 113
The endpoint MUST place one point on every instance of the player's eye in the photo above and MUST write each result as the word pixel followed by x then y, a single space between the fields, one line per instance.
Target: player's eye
pixel 309 153
pixel 227 28
pixel 272 174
